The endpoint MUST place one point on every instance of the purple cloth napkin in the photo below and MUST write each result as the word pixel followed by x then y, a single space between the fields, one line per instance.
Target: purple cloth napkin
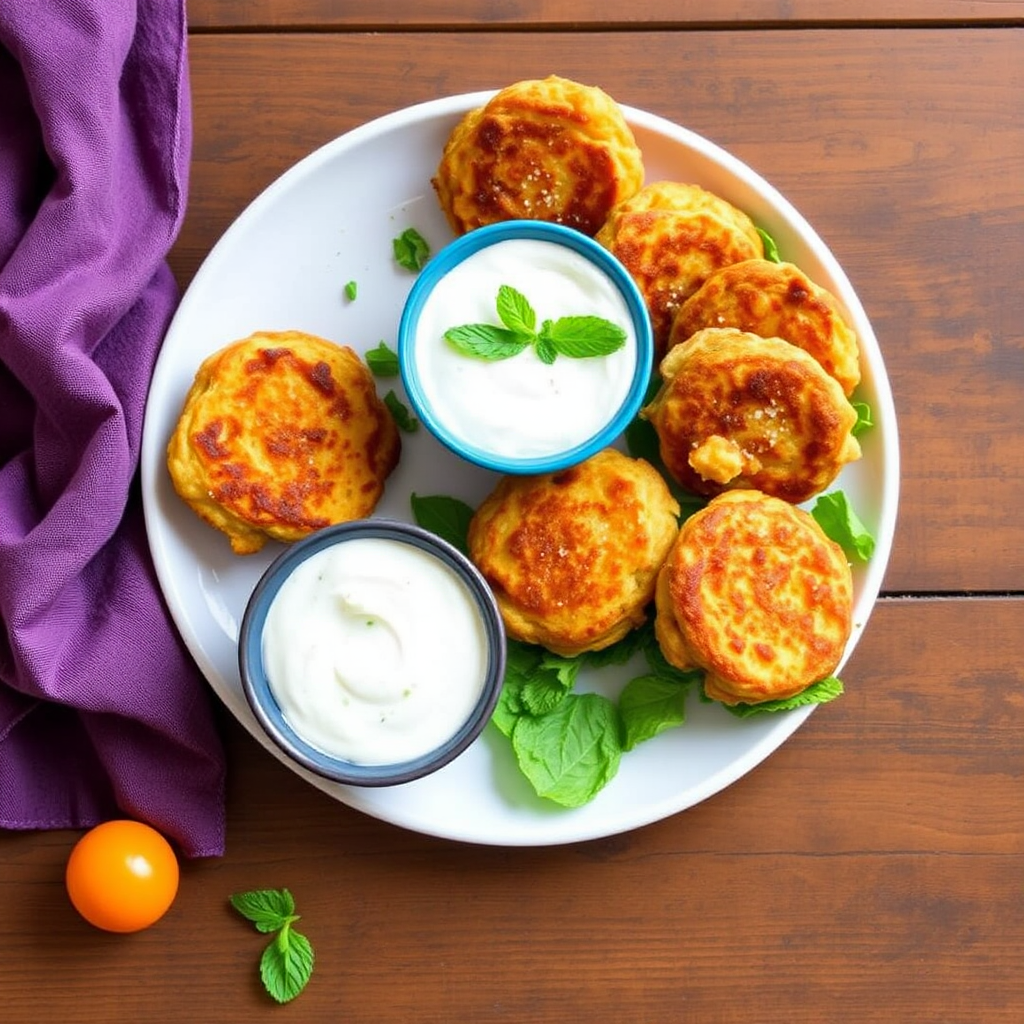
pixel 102 712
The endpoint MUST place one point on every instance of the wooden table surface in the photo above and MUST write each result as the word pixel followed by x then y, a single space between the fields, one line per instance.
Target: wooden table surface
pixel 872 869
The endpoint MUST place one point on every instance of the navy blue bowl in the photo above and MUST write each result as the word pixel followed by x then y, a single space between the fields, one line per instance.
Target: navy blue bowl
pixel 261 698
pixel 450 257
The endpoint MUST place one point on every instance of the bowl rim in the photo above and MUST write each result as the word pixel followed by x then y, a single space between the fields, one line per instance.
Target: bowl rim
pixel 460 249
pixel 260 696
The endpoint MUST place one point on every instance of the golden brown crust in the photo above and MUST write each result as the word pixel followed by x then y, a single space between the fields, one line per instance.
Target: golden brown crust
pixel 671 237
pixel 573 556
pixel 774 300
pixel 739 411
pixel 758 596
pixel 542 149
pixel 281 434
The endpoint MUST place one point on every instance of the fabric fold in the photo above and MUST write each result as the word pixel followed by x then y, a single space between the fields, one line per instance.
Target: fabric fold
pixel 102 711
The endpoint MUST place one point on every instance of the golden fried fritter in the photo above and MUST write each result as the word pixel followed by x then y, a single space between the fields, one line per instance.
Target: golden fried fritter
pixel 671 237
pixel 542 149
pixel 736 410
pixel 281 434
pixel 573 556
pixel 775 300
pixel 757 595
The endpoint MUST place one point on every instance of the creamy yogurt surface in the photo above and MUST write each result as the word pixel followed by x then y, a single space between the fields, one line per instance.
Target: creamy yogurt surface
pixel 375 651
pixel 521 407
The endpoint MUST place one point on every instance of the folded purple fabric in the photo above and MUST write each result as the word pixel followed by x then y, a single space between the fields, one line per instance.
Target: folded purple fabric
pixel 102 712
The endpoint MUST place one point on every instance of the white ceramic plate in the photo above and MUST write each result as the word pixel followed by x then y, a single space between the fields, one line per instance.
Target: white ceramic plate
pixel 284 264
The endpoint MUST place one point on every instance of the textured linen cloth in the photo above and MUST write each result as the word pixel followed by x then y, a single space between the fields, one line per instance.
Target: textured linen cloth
pixel 102 712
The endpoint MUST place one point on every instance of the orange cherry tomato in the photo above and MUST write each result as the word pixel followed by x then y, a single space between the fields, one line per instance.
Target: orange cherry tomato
pixel 122 876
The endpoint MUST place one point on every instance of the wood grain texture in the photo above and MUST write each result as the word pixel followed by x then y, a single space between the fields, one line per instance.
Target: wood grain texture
pixel 868 871
pixel 483 15
pixel 901 147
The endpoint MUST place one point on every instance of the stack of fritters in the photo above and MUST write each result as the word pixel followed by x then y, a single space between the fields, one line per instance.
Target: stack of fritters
pixel 671 237
pixel 572 556
pixel 755 594
pixel 282 434
pixel 736 410
pixel 546 149
pixel 774 300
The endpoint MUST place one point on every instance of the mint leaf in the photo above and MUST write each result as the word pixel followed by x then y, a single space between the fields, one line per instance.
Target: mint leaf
pixel 402 417
pixel 864 418
pixel 448 517
pixel 836 517
pixel 545 348
pixel 581 337
pixel 351 290
pixel 486 341
pixel 771 250
pixel 570 754
pixel 650 705
pixel 411 250
pixel 817 693
pixel 268 909
pixel 286 964
pixel 382 361
pixel 516 312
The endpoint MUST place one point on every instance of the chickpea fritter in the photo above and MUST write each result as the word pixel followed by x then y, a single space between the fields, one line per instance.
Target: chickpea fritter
pixel 738 411
pixel 671 237
pixel 542 149
pixel 281 434
pixel 757 595
pixel 573 556
pixel 774 300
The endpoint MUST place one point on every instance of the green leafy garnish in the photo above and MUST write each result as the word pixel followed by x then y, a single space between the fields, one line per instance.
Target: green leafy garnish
pixel 382 361
pixel 771 250
pixel 864 418
pixel 402 417
pixel 351 290
pixel 649 705
pixel 817 693
pixel 835 515
pixel 578 337
pixel 411 250
pixel 287 962
pixel 446 516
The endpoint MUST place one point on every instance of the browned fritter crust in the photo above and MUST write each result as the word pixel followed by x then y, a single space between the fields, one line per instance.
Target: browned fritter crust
pixel 573 556
pixel 671 236
pixel 775 300
pixel 281 434
pixel 542 149
pixel 737 411
pixel 757 595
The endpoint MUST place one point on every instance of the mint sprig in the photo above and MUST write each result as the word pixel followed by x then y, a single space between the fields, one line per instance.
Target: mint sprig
pixel 411 250
pixel 577 337
pixel 287 962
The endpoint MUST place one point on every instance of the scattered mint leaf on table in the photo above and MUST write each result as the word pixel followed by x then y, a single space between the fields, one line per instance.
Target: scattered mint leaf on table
pixel 287 962
pixel 351 290
pixel 382 361
pixel 411 250
pixel 446 516
pixel 403 418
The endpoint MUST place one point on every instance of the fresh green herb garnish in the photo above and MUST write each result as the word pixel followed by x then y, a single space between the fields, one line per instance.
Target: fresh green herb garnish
pixel 835 515
pixel 287 962
pixel 650 705
pixel 411 250
pixel 864 418
pixel 403 418
pixel 820 692
pixel 578 337
pixel 382 361
pixel 351 290
pixel 446 516
pixel 771 250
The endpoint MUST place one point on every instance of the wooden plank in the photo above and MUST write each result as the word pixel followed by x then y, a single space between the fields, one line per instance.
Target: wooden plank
pixel 484 15
pixel 867 872
pixel 899 146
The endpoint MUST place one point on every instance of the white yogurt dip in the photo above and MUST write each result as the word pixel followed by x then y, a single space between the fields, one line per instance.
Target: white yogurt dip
pixel 375 651
pixel 522 407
